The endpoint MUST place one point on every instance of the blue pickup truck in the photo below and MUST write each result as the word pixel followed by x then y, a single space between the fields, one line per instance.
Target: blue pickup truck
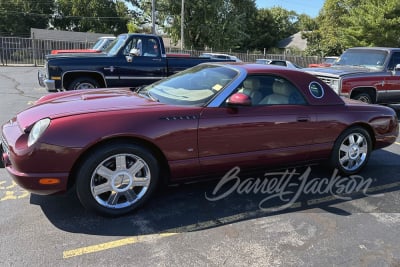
pixel 131 60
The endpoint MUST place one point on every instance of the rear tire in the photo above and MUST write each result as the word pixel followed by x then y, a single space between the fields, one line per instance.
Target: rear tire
pixel 117 178
pixel 351 150
pixel 83 83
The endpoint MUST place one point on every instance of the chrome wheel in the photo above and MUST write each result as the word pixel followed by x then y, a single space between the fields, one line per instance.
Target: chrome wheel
pixel 120 181
pixel 353 152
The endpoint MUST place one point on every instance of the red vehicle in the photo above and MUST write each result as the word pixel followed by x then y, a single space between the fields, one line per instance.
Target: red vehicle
pixel 115 145
pixel 101 44
pixel 328 61
pixel 368 74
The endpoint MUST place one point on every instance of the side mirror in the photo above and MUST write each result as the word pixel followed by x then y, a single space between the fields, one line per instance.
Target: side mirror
pixel 239 99
pixel 396 69
pixel 134 52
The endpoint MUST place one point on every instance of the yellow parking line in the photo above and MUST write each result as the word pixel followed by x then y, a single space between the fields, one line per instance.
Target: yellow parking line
pixel 397 143
pixel 113 244
pixel 184 229
pixel 205 224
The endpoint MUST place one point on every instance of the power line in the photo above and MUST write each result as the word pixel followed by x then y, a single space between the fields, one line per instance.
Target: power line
pixel 61 16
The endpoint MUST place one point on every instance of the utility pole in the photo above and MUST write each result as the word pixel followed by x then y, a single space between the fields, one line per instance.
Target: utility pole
pixel 182 22
pixel 153 16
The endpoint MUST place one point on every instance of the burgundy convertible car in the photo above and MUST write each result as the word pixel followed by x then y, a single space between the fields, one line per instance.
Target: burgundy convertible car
pixel 116 145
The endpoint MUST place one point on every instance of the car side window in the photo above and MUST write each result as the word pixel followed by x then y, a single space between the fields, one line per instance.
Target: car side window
pixel 131 44
pixel 270 90
pixel 150 48
pixel 278 63
pixel 283 93
pixel 256 87
pixel 395 59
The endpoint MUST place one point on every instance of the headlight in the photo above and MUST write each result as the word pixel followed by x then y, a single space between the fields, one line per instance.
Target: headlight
pixel 335 85
pixel 37 130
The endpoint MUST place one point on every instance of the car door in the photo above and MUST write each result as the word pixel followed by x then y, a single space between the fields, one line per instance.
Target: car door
pixel 144 68
pixel 391 85
pixel 263 135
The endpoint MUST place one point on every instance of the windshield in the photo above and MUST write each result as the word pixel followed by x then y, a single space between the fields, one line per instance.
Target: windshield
pixel 115 46
pixel 372 59
pixel 102 44
pixel 195 86
pixel 330 60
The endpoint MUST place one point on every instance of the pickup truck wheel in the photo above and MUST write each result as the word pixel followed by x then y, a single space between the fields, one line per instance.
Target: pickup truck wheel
pixel 83 83
pixel 351 150
pixel 364 97
pixel 117 178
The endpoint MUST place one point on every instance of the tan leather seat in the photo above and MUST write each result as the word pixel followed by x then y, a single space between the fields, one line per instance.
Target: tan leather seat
pixel 281 91
pixel 252 89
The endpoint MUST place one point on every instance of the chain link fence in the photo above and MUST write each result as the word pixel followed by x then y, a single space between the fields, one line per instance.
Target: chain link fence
pixel 29 51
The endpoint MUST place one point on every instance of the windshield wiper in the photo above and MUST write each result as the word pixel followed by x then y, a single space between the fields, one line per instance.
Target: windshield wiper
pixel 151 96
pixel 145 93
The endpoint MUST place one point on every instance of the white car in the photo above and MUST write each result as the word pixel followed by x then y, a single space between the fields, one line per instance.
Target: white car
pixel 283 63
pixel 220 56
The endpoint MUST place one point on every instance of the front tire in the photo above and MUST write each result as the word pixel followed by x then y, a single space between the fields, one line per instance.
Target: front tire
pixel 117 179
pixel 364 97
pixel 83 83
pixel 351 150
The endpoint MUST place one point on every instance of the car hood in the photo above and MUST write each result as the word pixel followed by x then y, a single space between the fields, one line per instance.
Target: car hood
pixel 81 102
pixel 337 70
pixel 76 55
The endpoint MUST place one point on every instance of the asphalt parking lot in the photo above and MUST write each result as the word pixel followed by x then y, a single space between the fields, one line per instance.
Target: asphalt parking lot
pixel 356 223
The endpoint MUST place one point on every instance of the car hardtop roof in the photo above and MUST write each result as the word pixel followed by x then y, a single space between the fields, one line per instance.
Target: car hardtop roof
pixel 375 48
pixel 255 68
pixel 141 34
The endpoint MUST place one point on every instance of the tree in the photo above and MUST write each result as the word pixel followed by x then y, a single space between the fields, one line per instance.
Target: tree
pixel 218 24
pixel 328 39
pixel 103 16
pixel 17 17
pixel 348 23
pixel 264 31
pixel 373 23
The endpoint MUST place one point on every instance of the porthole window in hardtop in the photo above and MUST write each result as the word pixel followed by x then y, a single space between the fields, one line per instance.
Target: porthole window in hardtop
pixel 316 90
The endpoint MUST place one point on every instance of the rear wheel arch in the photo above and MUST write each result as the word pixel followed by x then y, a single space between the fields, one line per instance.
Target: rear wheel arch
pixel 343 147
pixel 158 154
pixel 70 77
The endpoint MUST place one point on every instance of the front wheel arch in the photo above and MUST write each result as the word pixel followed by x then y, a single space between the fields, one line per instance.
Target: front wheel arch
pixel 70 77
pixel 164 167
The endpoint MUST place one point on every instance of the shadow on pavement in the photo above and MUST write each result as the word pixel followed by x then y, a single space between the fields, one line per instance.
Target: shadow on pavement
pixel 184 208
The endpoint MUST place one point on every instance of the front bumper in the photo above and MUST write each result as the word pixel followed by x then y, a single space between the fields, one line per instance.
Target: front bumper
pixel 32 167
pixel 50 85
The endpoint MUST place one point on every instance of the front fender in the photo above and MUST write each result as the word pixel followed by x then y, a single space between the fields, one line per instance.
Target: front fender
pixel 69 76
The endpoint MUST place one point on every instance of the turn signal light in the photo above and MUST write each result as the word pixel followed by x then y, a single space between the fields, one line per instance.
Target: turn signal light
pixel 49 181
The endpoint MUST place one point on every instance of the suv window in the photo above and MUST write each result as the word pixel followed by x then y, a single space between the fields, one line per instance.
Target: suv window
pixel 395 59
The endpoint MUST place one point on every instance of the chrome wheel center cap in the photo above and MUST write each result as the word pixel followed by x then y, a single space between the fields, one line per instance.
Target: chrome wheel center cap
pixel 121 182
pixel 354 152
